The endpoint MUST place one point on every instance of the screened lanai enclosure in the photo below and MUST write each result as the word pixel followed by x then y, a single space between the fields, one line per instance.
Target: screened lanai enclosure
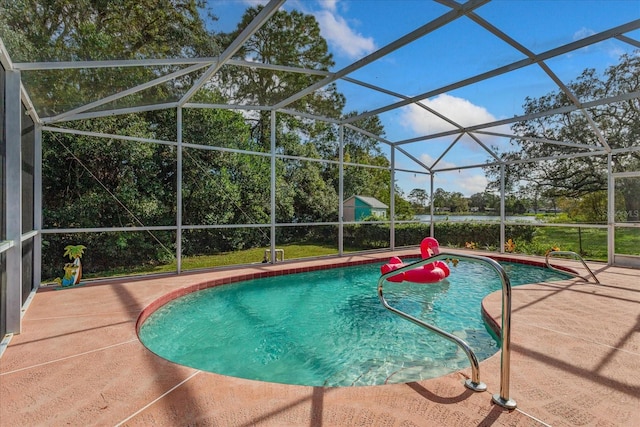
pixel 186 136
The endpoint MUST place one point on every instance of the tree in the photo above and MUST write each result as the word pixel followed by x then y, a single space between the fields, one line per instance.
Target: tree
pixel 451 202
pixel 514 205
pixel 576 177
pixel 88 181
pixel 67 30
pixel 216 184
pixel 591 208
pixel 97 182
pixel 307 191
pixel 458 203
pixel 440 198
pixel 288 39
pixel 362 149
pixel 420 197
pixel 485 201
pixel 312 198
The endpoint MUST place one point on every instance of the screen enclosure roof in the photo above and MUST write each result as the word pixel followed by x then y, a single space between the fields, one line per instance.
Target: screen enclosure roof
pixel 444 77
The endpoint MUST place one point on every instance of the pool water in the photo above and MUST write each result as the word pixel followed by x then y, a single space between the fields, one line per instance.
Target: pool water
pixel 328 327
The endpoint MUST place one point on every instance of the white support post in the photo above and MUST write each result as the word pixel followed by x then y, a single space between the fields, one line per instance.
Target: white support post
pixel 502 207
pixel 341 192
pixel 37 206
pixel 13 194
pixel 611 212
pixel 392 201
pixel 273 186
pixel 432 208
pixel 179 191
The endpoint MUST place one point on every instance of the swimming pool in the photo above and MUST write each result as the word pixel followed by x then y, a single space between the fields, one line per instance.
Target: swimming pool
pixel 328 328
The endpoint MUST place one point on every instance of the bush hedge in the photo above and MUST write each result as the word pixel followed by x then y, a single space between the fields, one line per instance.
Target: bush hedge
pixel 453 234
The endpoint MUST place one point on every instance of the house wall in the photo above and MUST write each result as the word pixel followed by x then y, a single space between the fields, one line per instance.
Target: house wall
pixel 349 213
pixel 362 210
pixel 379 213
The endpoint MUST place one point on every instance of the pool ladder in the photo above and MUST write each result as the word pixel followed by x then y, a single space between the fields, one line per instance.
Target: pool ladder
pixel 576 256
pixel 474 382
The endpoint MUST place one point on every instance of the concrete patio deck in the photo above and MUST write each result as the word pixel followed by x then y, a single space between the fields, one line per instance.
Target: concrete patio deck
pixel 575 361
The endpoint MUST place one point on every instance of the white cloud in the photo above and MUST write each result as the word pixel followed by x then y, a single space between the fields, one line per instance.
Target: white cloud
pixel 336 30
pixel 610 47
pixel 465 181
pixel 428 160
pixel 582 33
pixel 471 182
pixel 344 40
pixel 329 4
pixel 254 3
pixel 459 110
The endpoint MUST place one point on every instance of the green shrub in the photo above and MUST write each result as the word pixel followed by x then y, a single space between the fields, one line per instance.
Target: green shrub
pixel 453 234
pixel 457 234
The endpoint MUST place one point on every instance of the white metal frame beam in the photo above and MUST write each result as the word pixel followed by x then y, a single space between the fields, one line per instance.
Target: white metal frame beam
pixel 260 19
pixel 561 110
pixel 397 44
pixel 118 112
pixel 37 206
pixel 541 140
pixel 628 40
pixel 67 114
pixel 569 47
pixel 504 37
pixel 13 194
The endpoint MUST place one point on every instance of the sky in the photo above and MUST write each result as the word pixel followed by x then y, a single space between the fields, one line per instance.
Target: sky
pixel 462 49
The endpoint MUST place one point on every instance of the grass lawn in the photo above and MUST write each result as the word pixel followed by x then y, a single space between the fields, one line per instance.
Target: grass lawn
pixel 248 256
pixel 591 243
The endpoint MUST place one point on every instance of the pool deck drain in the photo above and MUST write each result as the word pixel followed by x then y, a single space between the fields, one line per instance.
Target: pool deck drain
pixel 575 361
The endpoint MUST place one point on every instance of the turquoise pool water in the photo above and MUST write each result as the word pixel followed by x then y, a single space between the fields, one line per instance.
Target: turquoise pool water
pixel 328 328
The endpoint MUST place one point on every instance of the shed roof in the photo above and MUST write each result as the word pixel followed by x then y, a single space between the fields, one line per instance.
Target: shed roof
pixel 371 201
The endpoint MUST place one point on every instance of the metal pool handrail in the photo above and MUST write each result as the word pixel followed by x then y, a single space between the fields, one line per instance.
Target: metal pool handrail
pixel 575 255
pixel 474 383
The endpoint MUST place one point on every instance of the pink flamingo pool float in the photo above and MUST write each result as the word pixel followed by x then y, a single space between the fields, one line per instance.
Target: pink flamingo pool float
pixel 428 273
